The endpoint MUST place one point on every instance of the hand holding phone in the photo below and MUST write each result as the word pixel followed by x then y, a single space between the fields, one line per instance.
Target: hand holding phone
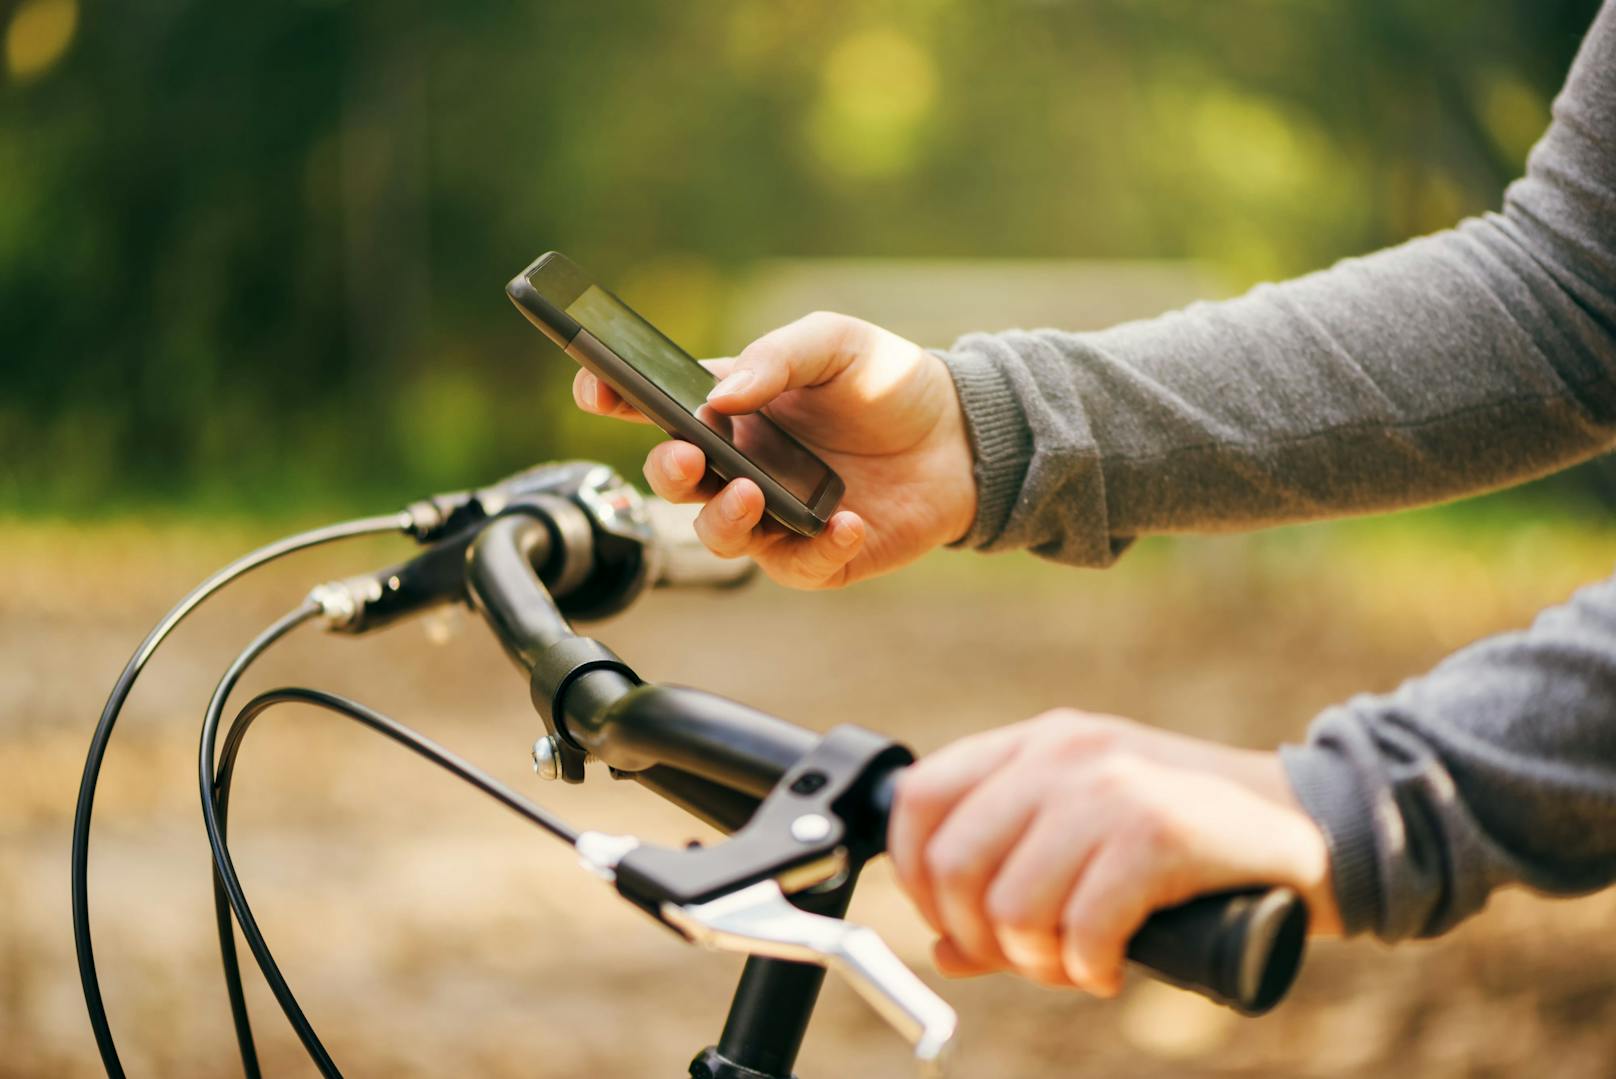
pixel 669 387
pixel 877 409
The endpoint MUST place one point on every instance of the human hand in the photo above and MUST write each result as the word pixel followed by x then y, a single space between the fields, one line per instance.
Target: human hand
pixel 878 409
pixel 1042 847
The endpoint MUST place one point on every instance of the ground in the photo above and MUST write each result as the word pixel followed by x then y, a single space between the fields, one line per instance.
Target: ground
pixel 429 932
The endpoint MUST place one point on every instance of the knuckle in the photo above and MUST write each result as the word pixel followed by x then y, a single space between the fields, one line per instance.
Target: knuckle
pixel 809 563
pixel 1090 955
pixel 833 327
pixel 1145 833
pixel 1116 775
pixel 1057 718
pixel 760 357
pixel 757 359
pixel 1076 927
pixel 950 865
pixel 1078 732
pixel 714 536
pixel 919 792
pixel 1080 946
pixel 823 319
pixel 1153 836
pixel 837 579
pixel 814 570
pixel 1008 909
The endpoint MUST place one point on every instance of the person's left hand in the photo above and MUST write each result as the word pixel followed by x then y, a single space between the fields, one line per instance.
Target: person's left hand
pixel 1043 846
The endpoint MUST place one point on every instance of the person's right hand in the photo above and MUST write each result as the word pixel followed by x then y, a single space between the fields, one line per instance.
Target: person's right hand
pixel 1041 847
pixel 878 409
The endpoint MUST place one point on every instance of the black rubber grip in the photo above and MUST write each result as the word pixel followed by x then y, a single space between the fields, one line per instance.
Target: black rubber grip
pixel 1242 949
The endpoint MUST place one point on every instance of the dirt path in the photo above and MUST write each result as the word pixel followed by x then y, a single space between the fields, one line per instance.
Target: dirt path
pixel 431 934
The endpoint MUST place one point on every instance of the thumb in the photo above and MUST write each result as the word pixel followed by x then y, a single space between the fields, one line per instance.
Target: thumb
pixel 808 352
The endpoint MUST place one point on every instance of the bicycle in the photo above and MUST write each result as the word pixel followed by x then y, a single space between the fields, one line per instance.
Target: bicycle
pixel 803 812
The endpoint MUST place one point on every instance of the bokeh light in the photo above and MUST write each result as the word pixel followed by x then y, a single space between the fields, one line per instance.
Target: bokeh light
pixel 39 32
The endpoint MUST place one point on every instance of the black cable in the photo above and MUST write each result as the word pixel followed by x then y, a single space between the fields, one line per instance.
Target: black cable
pixel 404 736
pixel 216 806
pixel 93 760
pixel 224 875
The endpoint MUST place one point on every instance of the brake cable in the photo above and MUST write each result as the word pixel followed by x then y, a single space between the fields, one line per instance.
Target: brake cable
pixel 228 892
pixel 225 883
pixel 403 522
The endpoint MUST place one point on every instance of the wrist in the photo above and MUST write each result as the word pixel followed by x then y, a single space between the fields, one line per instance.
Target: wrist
pixel 996 440
pixel 1308 847
pixel 958 482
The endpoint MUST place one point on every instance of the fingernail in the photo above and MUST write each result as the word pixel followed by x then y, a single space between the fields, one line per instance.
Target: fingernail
pixel 843 534
pixel 674 470
pixel 734 383
pixel 734 506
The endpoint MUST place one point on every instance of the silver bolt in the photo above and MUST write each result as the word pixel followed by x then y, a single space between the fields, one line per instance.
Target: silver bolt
pixel 547 758
pixel 810 828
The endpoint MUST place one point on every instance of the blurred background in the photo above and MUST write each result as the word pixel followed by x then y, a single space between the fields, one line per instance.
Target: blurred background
pixel 251 270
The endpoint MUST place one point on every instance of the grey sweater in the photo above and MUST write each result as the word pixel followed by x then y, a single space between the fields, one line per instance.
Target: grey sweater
pixel 1469 360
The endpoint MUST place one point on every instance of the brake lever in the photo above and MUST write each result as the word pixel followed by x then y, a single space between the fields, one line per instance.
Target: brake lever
pixel 815 825
pixel 760 920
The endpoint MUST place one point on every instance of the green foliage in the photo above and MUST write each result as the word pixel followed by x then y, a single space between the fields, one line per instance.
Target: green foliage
pixel 253 254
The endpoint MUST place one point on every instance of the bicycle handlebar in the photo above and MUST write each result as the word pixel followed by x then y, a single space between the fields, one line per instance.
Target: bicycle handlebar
pixel 1241 948
pixel 802 810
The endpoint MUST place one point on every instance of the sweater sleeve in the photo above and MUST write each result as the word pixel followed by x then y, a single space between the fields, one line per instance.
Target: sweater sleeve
pixel 1497 767
pixel 1472 359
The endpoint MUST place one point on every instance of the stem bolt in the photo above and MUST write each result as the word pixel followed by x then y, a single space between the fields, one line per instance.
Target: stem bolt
pixel 547 758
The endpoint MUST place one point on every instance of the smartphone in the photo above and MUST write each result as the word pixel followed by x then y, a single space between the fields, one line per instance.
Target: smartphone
pixel 656 376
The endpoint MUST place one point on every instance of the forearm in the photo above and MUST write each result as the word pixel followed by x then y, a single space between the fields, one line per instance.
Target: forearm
pixel 1497 767
pixel 1456 363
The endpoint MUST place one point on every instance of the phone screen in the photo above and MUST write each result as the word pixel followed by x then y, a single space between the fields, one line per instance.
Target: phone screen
pixel 678 375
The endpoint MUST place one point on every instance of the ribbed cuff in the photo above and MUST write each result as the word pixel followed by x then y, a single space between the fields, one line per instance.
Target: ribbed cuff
pixel 1001 441
pixel 1330 793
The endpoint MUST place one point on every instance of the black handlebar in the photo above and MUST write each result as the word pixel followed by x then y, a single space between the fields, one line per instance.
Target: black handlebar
pixel 1242 948
pixel 719 759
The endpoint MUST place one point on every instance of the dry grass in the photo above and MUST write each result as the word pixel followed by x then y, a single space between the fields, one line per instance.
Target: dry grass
pixel 431 934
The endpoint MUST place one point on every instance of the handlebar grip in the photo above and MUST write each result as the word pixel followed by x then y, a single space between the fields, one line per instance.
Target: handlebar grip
pixel 1241 949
